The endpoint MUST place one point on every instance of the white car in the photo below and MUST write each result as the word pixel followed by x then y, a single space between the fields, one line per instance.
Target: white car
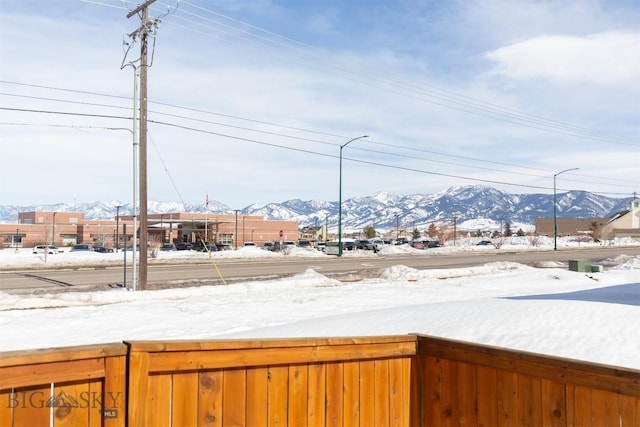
pixel 40 249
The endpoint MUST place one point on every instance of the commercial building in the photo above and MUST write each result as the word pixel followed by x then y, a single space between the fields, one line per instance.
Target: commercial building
pixel 69 228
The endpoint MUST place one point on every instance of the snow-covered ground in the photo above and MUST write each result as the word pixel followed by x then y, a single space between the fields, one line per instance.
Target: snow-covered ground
pixel 550 310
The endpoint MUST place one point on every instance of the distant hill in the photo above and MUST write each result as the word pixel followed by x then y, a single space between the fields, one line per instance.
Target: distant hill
pixel 474 207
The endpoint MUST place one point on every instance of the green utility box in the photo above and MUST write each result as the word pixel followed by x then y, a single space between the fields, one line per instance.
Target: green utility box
pixel 583 265
pixel 597 269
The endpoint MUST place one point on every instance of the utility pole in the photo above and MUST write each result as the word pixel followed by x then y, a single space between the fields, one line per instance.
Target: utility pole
pixel 144 36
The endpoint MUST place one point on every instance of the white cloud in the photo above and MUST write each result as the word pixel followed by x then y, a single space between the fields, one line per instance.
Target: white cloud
pixel 603 58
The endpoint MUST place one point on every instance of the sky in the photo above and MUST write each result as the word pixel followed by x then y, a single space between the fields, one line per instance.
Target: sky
pixel 547 310
pixel 256 101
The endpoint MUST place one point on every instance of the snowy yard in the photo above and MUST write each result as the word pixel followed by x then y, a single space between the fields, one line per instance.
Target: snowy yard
pixel 551 310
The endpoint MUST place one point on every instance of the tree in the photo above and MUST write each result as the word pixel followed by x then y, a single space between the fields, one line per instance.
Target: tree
pixel 415 234
pixel 520 232
pixel 369 232
pixel 433 230
pixel 507 230
pixel 596 231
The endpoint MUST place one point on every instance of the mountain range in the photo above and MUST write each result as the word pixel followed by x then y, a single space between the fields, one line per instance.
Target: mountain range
pixel 473 207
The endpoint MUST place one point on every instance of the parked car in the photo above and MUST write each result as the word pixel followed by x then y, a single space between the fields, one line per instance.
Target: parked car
pixel 416 244
pixel 303 243
pixel 50 249
pixel 249 244
pixel 321 246
pixel 168 247
pixel 431 243
pixel 103 249
pixel 402 241
pixel 348 245
pixel 364 244
pixel 288 244
pixel 209 247
pixel 484 243
pixel 184 246
pixel 267 246
pixel 377 244
pixel 82 247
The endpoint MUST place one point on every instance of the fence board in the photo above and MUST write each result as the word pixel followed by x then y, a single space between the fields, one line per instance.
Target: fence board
pixel 529 401
pixel 234 397
pixel 351 394
pixel 210 398
pixel 257 398
pixel 71 404
pixel 316 391
pixel 32 410
pixel 507 398
pixel 467 395
pixel 448 392
pixel 298 379
pixel 184 399
pixel 398 393
pixel 605 408
pixel 487 396
pixel 335 377
pixel 431 381
pixel 158 401
pixel 381 390
pixel 367 398
pixel 7 402
pixel 630 411
pixel 277 393
pixel 554 406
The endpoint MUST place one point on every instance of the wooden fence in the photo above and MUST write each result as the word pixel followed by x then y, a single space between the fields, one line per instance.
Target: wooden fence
pixel 77 386
pixel 407 380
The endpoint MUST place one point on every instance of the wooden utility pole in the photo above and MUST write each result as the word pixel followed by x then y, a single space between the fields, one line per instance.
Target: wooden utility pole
pixel 144 228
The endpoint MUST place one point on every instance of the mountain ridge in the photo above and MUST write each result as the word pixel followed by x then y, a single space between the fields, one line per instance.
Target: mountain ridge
pixel 473 207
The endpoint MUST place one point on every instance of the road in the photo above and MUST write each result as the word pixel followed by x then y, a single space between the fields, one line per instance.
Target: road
pixel 184 273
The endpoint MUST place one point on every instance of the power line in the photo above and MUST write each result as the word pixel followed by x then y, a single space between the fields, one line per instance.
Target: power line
pixel 441 97
pixel 297 149
pixel 191 118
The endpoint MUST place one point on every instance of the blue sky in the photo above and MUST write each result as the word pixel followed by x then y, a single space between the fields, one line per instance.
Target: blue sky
pixel 250 101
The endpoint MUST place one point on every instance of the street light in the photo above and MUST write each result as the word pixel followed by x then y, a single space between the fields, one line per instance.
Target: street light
pixel 555 215
pixel 340 195
pixel 397 215
pixel 118 226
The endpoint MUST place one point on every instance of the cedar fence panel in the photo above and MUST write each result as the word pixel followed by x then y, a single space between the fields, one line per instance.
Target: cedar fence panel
pixel 75 386
pixel 467 384
pixel 408 381
pixel 299 382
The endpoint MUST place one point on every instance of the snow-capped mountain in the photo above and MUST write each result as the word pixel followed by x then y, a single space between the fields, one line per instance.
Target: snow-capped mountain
pixel 473 207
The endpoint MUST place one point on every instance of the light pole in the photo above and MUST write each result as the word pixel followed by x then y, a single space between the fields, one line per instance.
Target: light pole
pixel 117 226
pixel 397 231
pixel 340 195
pixel 555 215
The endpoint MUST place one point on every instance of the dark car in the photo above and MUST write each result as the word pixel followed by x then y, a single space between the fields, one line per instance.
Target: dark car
pixel 304 243
pixel 184 246
pixel 416 244
pixel 364 244
pixel 168 247
pixel 103 249
pixel 267 246
pixel 431 243
pixel 402 241
pixel 484 243
pixel 348 246
pixel 210 247
pixel 82 247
